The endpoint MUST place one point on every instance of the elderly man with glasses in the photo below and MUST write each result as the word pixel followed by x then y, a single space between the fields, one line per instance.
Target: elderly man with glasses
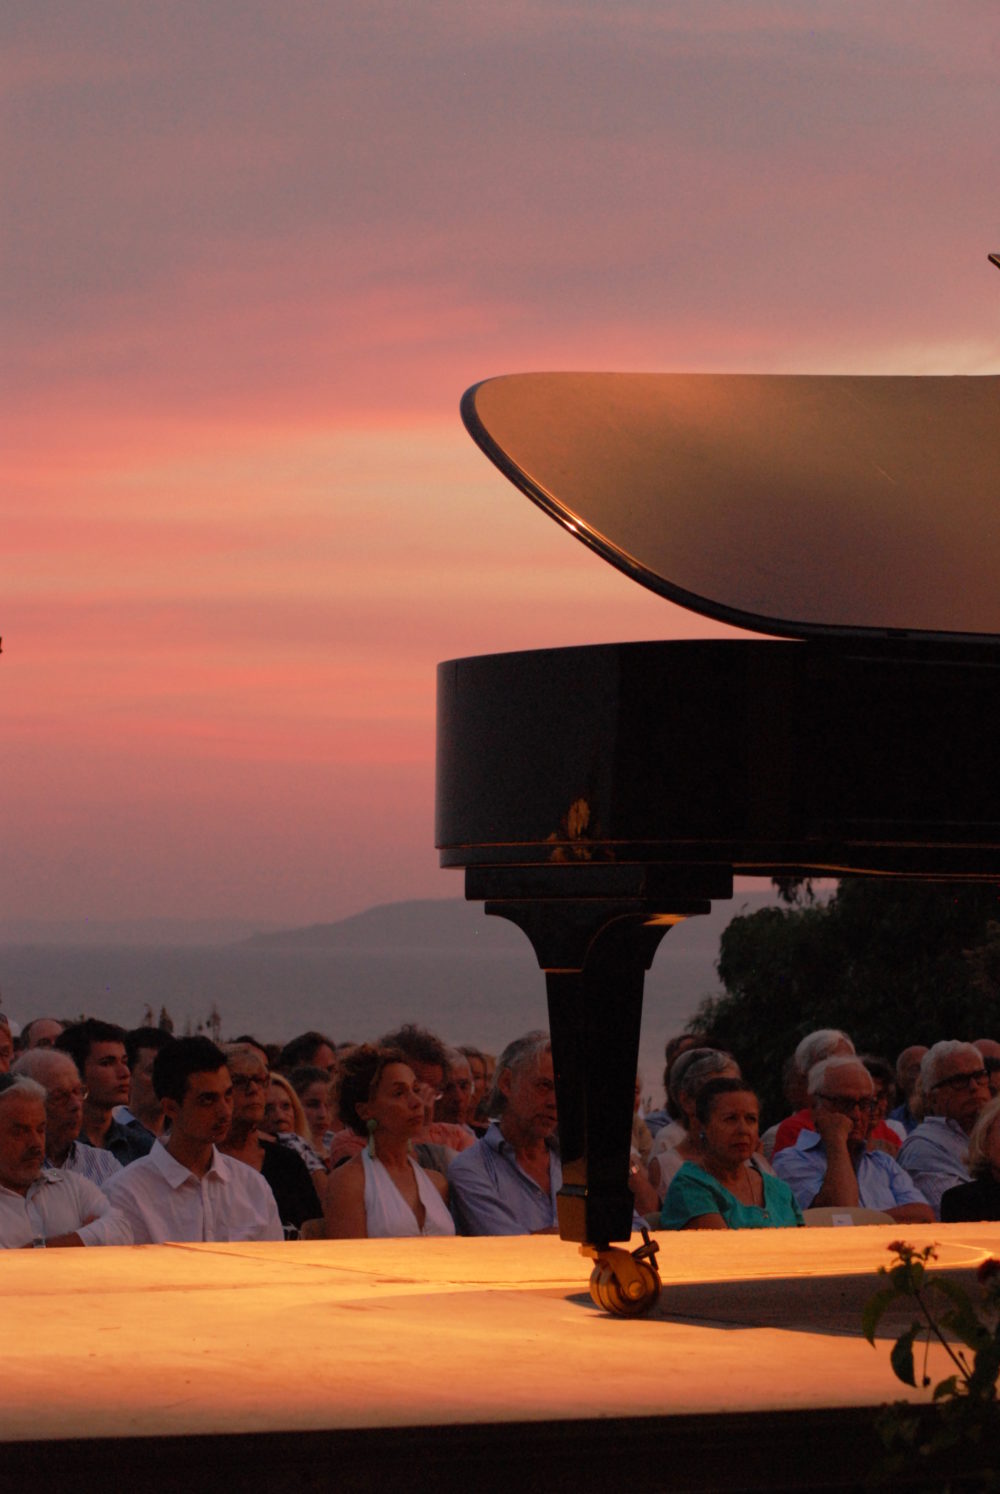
pixel 954 1087
pixel 64 1096
pixel 832 1164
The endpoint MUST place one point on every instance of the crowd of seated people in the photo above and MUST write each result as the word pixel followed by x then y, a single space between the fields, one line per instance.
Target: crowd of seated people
pixel 109 1137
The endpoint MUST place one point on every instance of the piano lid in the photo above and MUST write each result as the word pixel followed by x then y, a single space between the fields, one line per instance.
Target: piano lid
pixel 802 505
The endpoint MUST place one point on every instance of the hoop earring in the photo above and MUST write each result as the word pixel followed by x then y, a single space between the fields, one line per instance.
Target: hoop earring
pixel 372 1128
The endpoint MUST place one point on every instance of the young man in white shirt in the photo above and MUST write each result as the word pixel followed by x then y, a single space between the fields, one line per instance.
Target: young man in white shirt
pixel 186 1189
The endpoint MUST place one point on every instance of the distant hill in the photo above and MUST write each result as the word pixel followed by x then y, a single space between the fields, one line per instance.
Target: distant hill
pixel 138 933
pixel 424 923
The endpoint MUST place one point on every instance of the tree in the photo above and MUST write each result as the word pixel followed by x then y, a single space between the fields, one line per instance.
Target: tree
pixel 892 963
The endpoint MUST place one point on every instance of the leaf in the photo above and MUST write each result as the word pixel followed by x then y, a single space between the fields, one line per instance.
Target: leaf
pixel 873 1311
pixel 947 1387
pixel 908 1277
pixel 956 1294
pixel 901 1357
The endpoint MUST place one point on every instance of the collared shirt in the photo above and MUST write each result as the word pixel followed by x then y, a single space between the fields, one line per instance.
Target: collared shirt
pixel 163 1200
pixel 126 1143
pixel 936 1155
pixel 905 1116
pixel 91 1162
pixel 57 1203
pixel 492 1195
pixel 882 1183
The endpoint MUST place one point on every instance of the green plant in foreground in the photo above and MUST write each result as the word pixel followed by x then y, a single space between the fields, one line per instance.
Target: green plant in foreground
pixel 921 1441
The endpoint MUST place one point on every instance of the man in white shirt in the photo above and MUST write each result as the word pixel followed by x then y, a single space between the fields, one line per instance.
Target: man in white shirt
pixel 185 1189
pixel 45 1208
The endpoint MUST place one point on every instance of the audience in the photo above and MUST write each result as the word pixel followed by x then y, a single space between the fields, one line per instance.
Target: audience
pixel 833 1163
pixel 285 1120
pixel 98 1050
pixel 979 1199
pixel 991 1061
pixel 953 1090
pixel 907 1076
pixel 197 1143
pixel 64 1096
pixel 680 1143
pixel 185 1188
pixel 656 1120
pixel 284 1172
pixel 480 1087
pixel 457 1093
pixel 40 1032
pixel 310 1050
pixel 886 1135
pixel 383 1191
pixel 438 1141
pixel 826 1042
pixel 727 1189
pixel 506 1182
pixel 42 1207
pixel 143 1114
pixel 312 1085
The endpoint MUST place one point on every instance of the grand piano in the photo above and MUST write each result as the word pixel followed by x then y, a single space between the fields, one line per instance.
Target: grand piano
pixel 596 796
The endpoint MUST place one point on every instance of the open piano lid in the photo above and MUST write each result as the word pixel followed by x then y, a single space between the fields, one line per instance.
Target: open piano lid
pixel 800 505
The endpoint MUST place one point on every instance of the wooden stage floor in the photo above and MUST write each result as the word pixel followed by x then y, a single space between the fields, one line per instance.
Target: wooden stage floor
pixel 450 1363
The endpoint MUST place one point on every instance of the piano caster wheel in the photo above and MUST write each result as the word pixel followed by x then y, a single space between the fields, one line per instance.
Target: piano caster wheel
pixel 623 1283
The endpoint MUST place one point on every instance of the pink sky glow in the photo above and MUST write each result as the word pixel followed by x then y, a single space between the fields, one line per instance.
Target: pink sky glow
pixel 252 257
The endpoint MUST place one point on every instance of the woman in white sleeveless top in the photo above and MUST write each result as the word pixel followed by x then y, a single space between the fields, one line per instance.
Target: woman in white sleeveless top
pixel 383 1192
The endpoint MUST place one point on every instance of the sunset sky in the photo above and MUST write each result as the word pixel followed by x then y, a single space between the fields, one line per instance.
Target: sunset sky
pixel 253 254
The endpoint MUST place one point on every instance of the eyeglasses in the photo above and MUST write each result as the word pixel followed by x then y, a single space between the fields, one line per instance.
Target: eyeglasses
pixel 248 1081
pixel 958 1082
pixel 844 1105
pixel 60 1097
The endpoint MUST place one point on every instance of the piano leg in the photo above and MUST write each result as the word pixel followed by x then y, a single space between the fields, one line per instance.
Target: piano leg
pixel 594 1019
pixel 595 956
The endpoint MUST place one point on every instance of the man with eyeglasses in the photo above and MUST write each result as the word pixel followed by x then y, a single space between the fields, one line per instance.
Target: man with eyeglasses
pixel 833 1165
pixel 64 1097
pixel 954 1087
pixel 45 1208
pixel 990 1049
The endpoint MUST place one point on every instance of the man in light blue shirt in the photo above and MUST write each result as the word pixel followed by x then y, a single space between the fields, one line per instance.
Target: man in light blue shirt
pixel 954 1086
pixel 832 1165
pixel 507 1183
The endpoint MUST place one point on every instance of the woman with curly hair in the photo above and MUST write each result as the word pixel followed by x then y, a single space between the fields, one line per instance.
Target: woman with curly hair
pixel 383 1192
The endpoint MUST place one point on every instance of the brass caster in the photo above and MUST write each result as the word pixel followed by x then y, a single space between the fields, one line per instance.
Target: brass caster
pixel 623 1283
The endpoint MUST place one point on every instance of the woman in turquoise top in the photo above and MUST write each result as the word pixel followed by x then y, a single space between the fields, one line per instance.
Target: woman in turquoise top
pixel 726 1190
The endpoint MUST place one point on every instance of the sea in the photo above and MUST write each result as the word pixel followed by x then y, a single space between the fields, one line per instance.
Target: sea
pixel 441 963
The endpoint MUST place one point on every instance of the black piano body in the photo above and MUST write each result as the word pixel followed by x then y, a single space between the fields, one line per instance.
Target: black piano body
pixel 597 795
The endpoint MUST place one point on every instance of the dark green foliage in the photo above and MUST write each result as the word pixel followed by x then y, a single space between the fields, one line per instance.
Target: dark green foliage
pixel 892 963
pixel 951 1443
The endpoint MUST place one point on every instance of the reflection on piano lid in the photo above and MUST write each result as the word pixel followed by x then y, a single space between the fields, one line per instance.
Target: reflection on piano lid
pixel 800 505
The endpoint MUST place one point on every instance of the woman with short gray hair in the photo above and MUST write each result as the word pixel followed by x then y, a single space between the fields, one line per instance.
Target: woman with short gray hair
pixel 689 1074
